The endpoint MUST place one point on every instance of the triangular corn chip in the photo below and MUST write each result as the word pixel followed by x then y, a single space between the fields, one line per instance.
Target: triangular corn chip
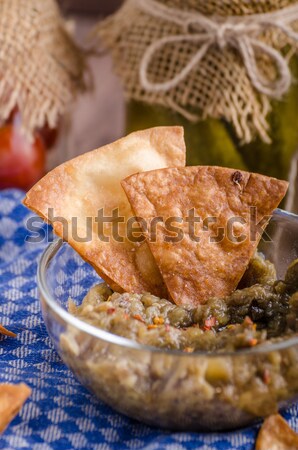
pixel 275 434
pixel 203 263
pixel 6 332
pixel 12 398
pixel 80 188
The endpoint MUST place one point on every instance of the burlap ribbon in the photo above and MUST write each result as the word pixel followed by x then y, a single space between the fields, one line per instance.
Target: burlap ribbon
pixel 41 68
pixel 204 65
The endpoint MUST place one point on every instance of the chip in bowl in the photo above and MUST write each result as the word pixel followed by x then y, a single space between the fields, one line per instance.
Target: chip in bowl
pixel 83 200
pixel 203 225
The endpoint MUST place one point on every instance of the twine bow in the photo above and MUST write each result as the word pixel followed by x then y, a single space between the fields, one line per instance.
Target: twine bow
pixel 238 32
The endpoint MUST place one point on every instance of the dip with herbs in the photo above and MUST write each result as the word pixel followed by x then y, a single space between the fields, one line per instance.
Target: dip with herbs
pixel 208 381
pixel 261 309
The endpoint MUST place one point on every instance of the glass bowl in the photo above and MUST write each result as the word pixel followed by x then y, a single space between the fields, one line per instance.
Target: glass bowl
pixel 168 388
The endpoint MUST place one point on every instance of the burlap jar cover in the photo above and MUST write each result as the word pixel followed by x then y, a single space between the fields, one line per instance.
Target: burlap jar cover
pixel 41 68
pixel 218 58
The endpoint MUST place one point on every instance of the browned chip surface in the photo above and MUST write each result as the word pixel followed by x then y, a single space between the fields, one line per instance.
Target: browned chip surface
pixel 12 398
pixel 6 332
pixel 195 271
pixel 275 434
pixel 81 187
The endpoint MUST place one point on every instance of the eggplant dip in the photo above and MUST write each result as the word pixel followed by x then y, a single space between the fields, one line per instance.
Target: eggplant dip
pixel 262 309
pixel 214 390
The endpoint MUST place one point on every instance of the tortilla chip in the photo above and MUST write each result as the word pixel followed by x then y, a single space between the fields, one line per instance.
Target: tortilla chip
pixel 81 187
pixel 6 332
pixel 196 271
pixel 12 398
pixel 275 434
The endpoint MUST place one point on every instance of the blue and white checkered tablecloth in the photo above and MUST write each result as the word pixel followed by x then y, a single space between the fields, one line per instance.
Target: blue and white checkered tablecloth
pixel 61 414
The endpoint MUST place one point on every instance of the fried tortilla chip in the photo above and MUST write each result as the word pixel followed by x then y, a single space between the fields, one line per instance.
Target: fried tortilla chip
pixel 12 398
pixel 6 332
pixel 275 434
pixel 88 187
pixel 199 225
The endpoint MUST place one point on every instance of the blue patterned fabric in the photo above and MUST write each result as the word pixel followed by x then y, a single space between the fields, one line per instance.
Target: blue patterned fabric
pixel 61 414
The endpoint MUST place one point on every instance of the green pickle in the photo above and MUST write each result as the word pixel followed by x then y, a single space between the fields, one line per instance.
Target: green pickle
pixel 275 159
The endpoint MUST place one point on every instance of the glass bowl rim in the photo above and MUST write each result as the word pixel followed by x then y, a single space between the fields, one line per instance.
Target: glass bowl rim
pixel 50 252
